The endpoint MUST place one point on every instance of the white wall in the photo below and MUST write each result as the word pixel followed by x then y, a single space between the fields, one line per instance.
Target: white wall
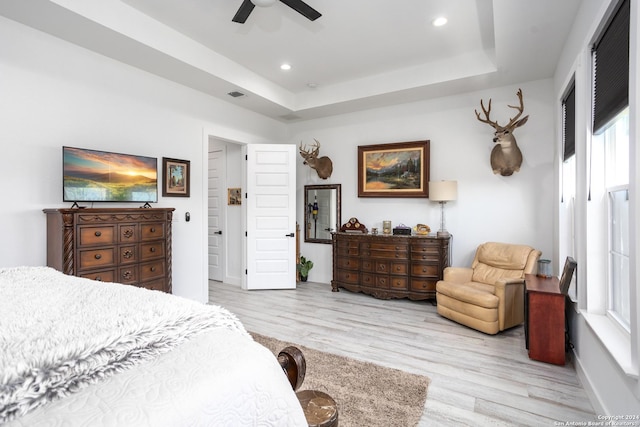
pixel 54 93
pixel 490 207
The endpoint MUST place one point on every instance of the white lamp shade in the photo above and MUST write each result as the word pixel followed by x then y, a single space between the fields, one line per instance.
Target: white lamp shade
pixel 263 3
pixel 443 191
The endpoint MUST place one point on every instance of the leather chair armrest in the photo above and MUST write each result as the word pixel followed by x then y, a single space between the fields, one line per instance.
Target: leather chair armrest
pixel 511 307
pixel 502 283
pixel 457 274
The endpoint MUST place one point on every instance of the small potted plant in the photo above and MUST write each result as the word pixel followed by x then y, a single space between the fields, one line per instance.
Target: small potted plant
pixel 303 267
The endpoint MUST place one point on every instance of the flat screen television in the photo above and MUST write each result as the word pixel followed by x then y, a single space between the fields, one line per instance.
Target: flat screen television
pixel 101 176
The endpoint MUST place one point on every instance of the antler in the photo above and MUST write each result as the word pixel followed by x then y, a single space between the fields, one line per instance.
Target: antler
pixel 520 109
pixel 487 113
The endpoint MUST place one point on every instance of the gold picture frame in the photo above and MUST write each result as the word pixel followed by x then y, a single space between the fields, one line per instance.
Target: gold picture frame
pixel 394 170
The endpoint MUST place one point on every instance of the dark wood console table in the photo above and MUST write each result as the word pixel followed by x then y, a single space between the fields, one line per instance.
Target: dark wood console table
pixel 544 319
pixel 388 266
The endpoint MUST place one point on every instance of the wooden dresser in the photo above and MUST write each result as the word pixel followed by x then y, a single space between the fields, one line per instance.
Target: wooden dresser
pixel 388 266
pixel 124 245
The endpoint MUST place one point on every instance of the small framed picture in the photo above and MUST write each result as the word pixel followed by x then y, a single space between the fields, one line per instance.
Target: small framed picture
pixel 176 177
pixel 234 196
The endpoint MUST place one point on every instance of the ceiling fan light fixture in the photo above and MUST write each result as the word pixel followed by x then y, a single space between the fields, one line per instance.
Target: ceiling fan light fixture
pixel 263 3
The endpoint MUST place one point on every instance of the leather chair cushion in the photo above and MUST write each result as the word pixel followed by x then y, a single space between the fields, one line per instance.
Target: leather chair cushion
pixel 469 293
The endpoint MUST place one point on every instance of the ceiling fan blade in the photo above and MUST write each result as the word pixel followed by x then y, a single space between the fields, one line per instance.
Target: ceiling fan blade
pixel 303 9
pixel 243 12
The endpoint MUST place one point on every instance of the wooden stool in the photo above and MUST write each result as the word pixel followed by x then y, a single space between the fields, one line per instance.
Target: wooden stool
pixel 319 408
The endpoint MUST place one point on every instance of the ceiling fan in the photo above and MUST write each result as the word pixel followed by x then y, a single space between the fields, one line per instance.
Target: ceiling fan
pixel 298 5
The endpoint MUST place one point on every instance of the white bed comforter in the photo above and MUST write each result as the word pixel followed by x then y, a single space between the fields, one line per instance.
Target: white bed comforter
pixel 78 352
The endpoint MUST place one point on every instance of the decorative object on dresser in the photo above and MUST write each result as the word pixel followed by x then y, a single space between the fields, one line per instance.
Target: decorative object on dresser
pixel 353 226
pixel 443 192
pixel 123 245
pixel 176 177
pixel 389 266
pixel 506 157
pixel 394 170
pixel 545 319
pixel 488 296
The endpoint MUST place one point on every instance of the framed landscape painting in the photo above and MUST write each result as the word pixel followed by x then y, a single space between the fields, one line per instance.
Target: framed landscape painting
pixel 394 170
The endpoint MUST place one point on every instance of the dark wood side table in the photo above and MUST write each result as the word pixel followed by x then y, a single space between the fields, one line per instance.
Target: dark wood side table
pixel 544 319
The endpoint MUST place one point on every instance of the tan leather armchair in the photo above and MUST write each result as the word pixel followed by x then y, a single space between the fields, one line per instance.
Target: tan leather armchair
pixel 488 296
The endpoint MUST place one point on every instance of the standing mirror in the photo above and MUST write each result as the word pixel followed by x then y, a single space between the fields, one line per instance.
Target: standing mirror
pixel 321 212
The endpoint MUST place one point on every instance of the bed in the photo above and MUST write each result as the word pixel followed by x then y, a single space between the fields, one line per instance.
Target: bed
pixel 76 352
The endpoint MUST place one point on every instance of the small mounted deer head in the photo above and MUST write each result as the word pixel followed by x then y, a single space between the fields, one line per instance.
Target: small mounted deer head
pixel 506 157
pixel 323 165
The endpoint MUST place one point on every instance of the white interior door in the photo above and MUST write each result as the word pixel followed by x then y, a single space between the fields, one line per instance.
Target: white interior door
pixel 215 214
pixel 270 216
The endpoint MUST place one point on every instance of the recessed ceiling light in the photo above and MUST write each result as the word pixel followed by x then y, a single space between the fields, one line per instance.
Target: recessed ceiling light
pixel 312 85
pixel 439 21
pixel 285 67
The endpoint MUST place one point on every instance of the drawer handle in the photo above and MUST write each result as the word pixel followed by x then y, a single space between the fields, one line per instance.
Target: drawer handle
pixel 424 270
pixel 128 254
pixel 153 229
pixel 98 279
pixel 398 268
pixel 152 249
pixel 152 269
pixel 98 256
pixel 128 233
pixel 98 233
pixel 126 274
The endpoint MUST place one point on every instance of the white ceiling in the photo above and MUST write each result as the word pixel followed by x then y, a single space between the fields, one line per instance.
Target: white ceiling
pixel 360 54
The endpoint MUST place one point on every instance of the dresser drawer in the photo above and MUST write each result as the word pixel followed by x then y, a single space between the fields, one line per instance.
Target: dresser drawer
pixel 152 270
pixel 101 276
pixel 398 282
pixel 425 256
pixel 128 233
pixel 151 250
pixel 425 270
pixel 399 268
pixel 93 258
pixel 128 274
pixel 347 244
pixel 382 282
pixel 348 277
pixel 423 285
pixel 154 285
pixel 368 265
pixel 378 253
pixel 153 231
pixel 348 263
pixel 91 236
pixel 385 246
pixel 428 248
pixel 368 279
pixel 346 251
pixel 128 254
pixel 381 267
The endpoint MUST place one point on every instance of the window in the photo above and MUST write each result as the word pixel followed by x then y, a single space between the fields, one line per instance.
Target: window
pixel 616 141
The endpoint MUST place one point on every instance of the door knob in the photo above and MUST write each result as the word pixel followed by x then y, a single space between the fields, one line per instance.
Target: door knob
pixel 218 232
pixel 290 235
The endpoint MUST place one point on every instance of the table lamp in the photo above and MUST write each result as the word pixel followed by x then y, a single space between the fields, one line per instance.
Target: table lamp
pixel 443 192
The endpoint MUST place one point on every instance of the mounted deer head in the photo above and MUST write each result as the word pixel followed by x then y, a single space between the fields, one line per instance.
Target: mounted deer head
pixel 323 165
pixel 506 157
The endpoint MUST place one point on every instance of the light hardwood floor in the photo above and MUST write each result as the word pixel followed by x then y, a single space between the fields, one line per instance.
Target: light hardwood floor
pixel 476 379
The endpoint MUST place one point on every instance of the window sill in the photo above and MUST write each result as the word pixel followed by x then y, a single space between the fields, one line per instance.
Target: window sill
pixel 617 343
